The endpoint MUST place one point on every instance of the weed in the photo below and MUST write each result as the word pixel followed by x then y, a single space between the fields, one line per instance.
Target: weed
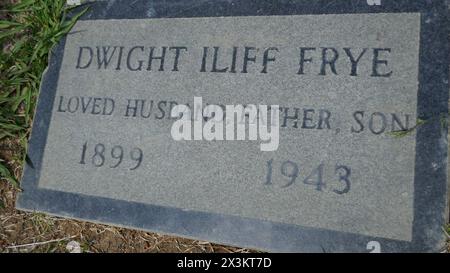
pixel 404 133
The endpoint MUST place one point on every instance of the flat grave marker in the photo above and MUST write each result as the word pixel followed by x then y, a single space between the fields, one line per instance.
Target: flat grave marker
pixel 362 91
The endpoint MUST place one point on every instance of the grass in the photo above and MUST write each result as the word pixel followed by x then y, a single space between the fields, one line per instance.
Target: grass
pixel 28 31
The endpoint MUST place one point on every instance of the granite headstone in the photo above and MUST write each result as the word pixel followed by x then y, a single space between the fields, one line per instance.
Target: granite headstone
pixel 362 90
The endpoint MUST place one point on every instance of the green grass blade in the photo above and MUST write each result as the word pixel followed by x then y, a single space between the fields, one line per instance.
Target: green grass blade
pixel 5 174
